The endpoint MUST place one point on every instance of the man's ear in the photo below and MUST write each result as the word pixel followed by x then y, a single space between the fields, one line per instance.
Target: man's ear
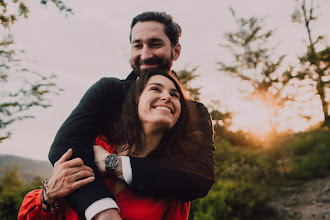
pixel 177 51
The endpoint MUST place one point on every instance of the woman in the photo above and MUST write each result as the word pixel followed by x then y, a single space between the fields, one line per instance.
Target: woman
pixel 155 114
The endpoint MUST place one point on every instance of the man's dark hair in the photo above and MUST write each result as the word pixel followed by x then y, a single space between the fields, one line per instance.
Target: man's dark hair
pixel 172 29
pixel 177 143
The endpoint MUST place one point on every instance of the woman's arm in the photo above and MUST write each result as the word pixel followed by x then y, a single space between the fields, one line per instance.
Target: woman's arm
pixel 31 208
pixel 68 175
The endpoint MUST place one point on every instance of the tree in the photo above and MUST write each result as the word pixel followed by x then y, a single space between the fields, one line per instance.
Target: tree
pixel 186 76
pixel 10 194
pixel 8 18
pixel 255 63
pixel 20 88
pixel 221 120
pixel 315 63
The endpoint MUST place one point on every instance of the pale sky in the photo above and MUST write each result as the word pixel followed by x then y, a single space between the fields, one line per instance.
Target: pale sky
pixel 93 43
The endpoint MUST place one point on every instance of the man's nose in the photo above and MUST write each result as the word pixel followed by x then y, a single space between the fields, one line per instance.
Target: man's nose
pixel 146 53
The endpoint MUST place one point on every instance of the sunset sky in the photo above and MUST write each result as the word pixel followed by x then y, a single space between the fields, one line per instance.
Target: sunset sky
pixel 94 43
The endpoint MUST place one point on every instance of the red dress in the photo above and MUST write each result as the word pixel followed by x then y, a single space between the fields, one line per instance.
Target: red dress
pixel 133 206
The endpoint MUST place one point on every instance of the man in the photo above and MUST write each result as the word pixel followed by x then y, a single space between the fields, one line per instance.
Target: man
pixel 155 44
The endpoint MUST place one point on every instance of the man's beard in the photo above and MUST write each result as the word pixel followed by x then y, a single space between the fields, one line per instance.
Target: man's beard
pixel 160 64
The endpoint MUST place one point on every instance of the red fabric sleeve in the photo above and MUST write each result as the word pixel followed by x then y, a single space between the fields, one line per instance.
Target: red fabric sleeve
pixel 31 208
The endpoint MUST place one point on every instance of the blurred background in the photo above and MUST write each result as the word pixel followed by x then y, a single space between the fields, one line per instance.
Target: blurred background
pixel 261 67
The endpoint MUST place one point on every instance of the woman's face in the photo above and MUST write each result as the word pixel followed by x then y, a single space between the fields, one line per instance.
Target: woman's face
pixel 159 106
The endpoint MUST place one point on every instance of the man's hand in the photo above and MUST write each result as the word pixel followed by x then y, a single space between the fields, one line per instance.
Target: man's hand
pixel 108 214
pixel 68 175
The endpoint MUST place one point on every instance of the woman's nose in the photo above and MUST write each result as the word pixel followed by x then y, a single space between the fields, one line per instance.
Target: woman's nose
pixel 166 97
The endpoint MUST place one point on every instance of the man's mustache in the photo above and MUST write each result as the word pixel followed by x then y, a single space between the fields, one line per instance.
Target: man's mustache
pixel 150 61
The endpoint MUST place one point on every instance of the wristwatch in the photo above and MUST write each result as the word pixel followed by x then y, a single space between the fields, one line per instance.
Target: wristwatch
pixel 111 161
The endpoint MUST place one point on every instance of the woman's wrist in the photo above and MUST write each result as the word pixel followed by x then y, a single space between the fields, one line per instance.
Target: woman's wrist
pixel 47 202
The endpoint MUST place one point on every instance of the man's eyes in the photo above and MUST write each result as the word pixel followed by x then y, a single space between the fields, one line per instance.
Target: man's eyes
pixel 137 45
pixel 156 45
pixel 152 45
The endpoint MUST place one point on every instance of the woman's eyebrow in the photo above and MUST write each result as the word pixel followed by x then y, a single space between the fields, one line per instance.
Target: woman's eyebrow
pixel 157 84
pixel 161 85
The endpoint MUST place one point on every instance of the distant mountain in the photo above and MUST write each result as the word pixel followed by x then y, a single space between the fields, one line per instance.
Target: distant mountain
pixel 27 168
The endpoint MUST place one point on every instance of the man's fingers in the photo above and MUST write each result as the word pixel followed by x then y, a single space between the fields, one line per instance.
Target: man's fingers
pixel 82 182
pixel 64 157
pixel 80 168
pixel 83 174
pixel 76 162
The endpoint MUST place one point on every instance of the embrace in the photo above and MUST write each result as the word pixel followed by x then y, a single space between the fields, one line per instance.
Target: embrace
pixel 132 149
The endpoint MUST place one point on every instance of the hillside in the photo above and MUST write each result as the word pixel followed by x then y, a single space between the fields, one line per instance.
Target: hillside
pixel 27 168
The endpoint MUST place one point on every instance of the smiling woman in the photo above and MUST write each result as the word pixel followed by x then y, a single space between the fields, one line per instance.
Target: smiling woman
pixel 159 104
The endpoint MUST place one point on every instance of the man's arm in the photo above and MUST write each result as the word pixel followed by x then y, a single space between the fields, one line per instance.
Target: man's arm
pixel 178 179
pixel 97 109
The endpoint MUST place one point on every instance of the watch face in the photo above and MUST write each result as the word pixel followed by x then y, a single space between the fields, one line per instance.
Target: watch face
pixel 111 161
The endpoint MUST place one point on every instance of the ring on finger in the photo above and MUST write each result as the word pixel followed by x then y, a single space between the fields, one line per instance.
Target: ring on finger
pixel 77 176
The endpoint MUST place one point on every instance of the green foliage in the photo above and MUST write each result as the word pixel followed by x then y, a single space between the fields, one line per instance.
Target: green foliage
pixel 12 192
pixel 230 200
pixel 31 89
pixel 253 59
pixel 308 154
pixel 20 8
pixel 247 177
pixel 186 77
pixel 314 63
pixel 221 120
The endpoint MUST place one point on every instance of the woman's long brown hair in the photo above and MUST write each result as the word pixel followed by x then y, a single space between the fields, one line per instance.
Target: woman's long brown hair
pixel 177 143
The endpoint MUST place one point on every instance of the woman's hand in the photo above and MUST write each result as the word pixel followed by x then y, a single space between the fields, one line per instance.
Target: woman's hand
pixel 99 155
pixel 68 175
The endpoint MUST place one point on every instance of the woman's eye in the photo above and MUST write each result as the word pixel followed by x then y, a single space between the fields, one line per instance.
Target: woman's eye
pixel 176 95
pixel 155 89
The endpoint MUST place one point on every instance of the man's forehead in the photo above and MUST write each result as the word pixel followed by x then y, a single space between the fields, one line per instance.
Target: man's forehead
pixel 148 29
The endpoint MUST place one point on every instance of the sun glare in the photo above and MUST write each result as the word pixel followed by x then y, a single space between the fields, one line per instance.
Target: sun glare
pixel 255 117
pixel 262 118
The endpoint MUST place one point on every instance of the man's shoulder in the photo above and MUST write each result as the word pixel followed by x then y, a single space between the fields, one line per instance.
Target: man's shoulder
pixel 199 105
pixel 108 83
pixel 109 80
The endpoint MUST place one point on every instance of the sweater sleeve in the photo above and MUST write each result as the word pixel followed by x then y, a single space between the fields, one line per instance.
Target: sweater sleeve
pixel 98 108
pixel 31 208
pixel 179 180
